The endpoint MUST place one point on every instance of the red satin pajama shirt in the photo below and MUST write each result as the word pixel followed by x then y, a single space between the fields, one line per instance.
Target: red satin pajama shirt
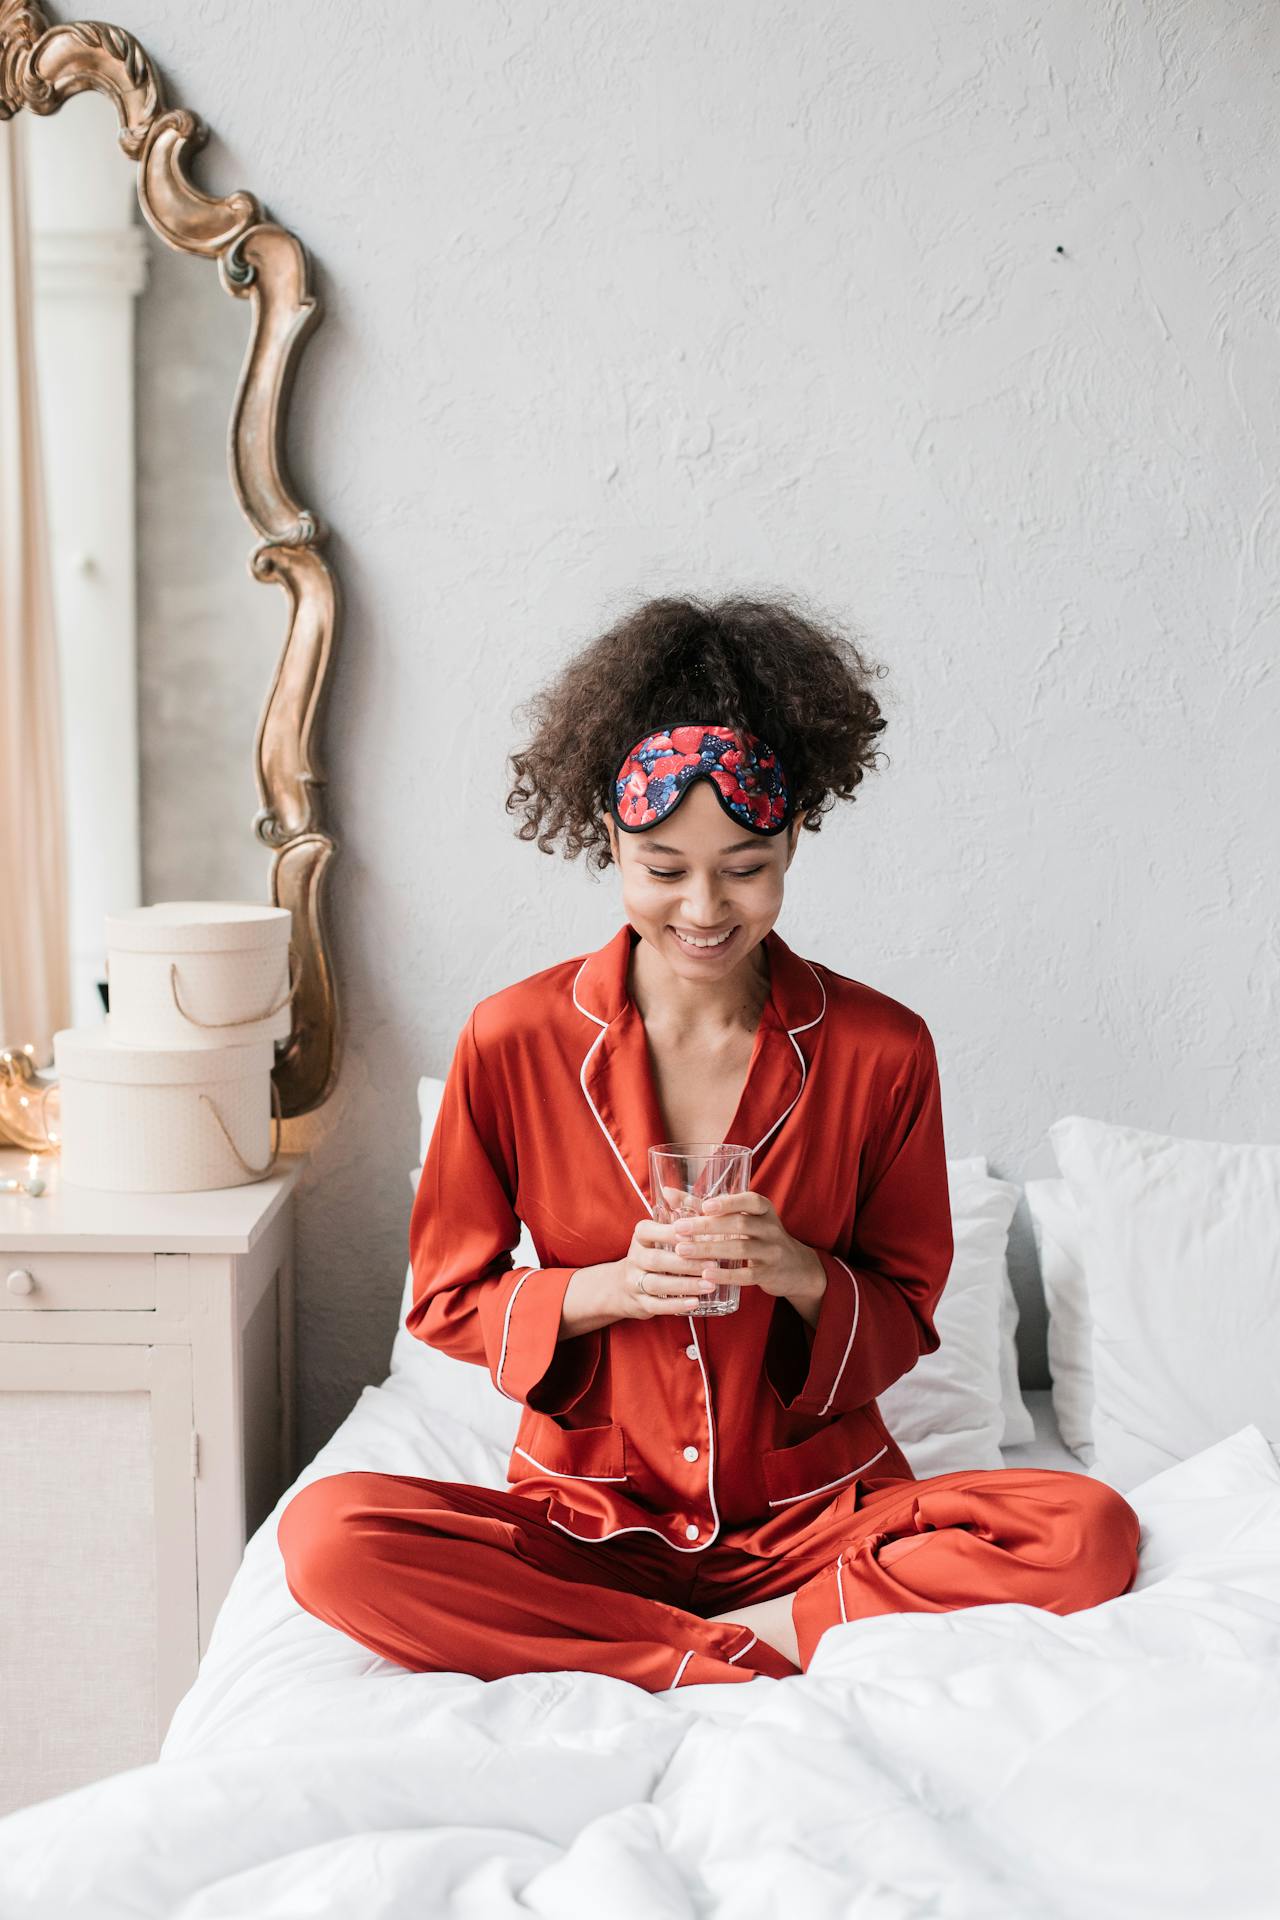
pixel 672 1468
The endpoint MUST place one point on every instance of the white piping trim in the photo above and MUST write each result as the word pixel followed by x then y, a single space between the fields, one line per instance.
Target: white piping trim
pixel 804 1075
pixel 578 1004
pixel 741 1650
pixel 706 1384
pixel 857 1304
pixel 542 1466
pixel 680 1669
pixel 591 1538
pixel 582 1082
pixel 840 1591
pixel 804 1067
pixel 506 1327
pixel 821 1010
pixel 828 1484
pixel 657 1532
pixel 711 1429
pixel 711 1490
pixel 648 1207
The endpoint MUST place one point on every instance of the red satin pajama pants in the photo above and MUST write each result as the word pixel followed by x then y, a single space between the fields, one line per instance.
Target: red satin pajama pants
pixel 439 1576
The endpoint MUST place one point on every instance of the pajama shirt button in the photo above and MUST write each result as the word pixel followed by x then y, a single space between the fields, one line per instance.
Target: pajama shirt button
pixel 692 1352
pixel 691 1533
pixel 691 1453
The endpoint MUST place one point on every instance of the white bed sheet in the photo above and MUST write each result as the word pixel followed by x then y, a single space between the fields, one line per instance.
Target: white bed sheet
pixel 991 1763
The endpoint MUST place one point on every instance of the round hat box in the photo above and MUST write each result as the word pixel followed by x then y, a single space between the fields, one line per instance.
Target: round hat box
pixel 199 973
pixel 162 1120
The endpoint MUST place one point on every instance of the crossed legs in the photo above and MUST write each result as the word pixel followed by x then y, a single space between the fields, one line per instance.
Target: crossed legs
pixel 446 1577
pixel 1031 1535
pixel 443 1576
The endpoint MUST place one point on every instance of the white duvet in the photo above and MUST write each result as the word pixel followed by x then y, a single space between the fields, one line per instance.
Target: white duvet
pixel 990 1762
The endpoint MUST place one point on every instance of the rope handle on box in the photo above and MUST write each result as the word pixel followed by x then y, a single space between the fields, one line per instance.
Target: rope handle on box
pixel 294 978
pixel 275 1150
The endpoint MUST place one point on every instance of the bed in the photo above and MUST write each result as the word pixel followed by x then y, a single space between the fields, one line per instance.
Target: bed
pixel 994 1761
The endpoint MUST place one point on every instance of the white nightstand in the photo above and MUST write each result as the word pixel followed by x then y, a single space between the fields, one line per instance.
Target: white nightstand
pixel 146 1430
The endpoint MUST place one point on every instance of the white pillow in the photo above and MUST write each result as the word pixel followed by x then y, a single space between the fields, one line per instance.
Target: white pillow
pixel 950 1407
pixel 1215 1514
pixel 947 1413
pixel 430 1094
pixel 1059 1238
pixel 1182 1254
pixel 459 1388
pixel 1019 1426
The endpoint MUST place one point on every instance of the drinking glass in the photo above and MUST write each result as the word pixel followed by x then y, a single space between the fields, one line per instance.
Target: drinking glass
pixel 681 1177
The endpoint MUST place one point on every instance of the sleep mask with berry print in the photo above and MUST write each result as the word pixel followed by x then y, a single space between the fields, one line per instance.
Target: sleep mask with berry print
pixel 659 770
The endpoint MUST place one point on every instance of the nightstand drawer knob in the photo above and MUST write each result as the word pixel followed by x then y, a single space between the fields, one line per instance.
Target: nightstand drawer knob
pixel 20 1281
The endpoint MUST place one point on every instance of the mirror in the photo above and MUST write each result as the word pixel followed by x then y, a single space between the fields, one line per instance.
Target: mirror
pixel 161 634
pixel 164 702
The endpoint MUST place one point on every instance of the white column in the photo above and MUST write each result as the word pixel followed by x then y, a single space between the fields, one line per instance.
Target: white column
pixel 90 266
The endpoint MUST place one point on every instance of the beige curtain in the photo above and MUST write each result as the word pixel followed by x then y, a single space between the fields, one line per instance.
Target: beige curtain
pixel 35 983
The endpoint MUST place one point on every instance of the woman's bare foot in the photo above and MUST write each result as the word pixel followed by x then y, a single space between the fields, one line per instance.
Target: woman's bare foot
pixel 770 1621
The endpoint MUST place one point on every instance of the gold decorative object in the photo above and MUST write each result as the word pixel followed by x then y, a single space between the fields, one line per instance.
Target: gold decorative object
pixel 41 66
pixel 29 1111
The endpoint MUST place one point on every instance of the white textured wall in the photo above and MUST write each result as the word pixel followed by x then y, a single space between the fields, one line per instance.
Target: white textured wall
pixel 960 319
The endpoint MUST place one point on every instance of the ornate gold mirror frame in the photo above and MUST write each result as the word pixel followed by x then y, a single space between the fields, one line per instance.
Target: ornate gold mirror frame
pixel 41 66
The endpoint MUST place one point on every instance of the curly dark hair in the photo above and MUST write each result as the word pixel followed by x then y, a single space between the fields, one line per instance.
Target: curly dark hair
pixel 764 665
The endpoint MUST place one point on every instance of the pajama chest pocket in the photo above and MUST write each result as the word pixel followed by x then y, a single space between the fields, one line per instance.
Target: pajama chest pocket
pixel 567 1453
pixel 825 1462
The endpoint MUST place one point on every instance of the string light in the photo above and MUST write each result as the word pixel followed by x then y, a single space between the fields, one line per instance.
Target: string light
pixel 27 1104
pixel 34 1184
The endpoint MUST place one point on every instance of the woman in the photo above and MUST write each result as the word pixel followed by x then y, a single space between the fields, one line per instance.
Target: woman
pixel 690 1498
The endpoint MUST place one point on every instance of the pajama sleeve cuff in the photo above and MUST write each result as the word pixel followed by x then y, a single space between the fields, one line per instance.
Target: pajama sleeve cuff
pixel 876 1315
pixel 828 1346
pixel 531 1363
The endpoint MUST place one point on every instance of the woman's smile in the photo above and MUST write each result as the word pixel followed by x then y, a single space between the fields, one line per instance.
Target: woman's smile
pixel 703 942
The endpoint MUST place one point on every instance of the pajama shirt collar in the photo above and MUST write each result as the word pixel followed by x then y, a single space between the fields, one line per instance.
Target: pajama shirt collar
pixel 617 1078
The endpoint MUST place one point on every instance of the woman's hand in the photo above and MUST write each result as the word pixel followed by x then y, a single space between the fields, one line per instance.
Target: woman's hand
pixel 654 1279
pixel 744 1226
pixel 647 1282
